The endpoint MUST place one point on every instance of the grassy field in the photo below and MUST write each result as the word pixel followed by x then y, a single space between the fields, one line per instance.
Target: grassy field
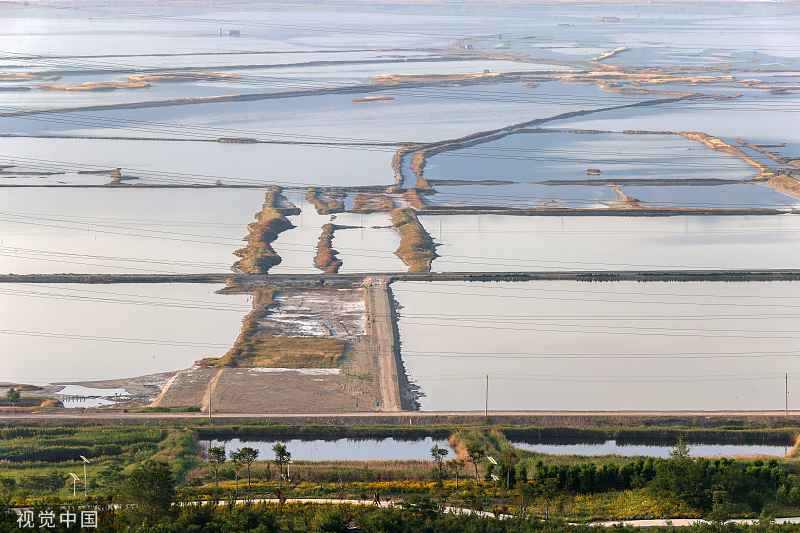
pixel 37 460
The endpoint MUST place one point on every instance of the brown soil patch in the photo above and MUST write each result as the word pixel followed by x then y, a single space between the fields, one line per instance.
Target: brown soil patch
pixel 438 79
pixel 19 76
pixel 90 86
pixel 182 77
pixel 623 201
pixel 374 100
pixel 242 390
pixel 412 198
pixel 372 203
pixel 785 184
pixel 612 53
pixel 137 81
pixel 326 203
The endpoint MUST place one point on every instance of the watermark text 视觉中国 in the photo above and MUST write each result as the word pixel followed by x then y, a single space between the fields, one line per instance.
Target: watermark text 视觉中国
pixel 26 519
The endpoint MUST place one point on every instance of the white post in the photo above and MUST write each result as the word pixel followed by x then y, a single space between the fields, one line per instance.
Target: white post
pixel 85 462
pixel 486 409
pixel 75 479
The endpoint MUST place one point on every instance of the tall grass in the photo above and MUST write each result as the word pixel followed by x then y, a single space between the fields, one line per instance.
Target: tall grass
pixel 417 249
pixel 258 256
pixel 326 259
pixel 327 203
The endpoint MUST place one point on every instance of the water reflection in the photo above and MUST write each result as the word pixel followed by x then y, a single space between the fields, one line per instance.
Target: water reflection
pixel 68 332
pixel 473 243
pixel 342 449
pixel 111 230
pixel 651 450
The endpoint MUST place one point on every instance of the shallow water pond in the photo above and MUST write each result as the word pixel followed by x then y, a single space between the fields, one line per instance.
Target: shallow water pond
pixel 522 195
pixel 341 449
pixel 77 396
pixel 66 332
pixel 609 447
pixel 366 245
pixel 565 156
pixel 560 345
pixel 473 243
pixel 113 230
pixel 733 196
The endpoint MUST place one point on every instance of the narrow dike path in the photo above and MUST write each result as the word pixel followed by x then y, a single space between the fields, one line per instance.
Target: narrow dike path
pixel 379 320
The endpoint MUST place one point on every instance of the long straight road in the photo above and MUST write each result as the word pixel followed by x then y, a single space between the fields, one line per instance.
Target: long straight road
pixel 382 331
pixel 574 418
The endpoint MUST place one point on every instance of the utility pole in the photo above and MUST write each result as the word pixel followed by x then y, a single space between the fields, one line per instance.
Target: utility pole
pixel 486 409
pixel 85 462
pixel 787 394
pixel 209 399
pixel 75 479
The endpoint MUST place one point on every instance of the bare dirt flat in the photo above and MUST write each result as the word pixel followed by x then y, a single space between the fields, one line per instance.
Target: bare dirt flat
pixel 319 313
pixel 351 387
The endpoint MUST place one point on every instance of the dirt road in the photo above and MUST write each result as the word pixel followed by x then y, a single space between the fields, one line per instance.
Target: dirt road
pixel 382 332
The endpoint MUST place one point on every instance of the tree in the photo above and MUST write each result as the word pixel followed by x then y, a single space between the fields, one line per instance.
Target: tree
pixel 681 478
pixel 438 455
pixel 236 459
pixel 216 456
pixel 549 490
pixel 7 484
pixel 475 455
pixel 282 456
pixel 248 455
pixel 112 477
pixel 13 396
pixel 722 509
pixel 331 520
pixel 56 480
pixel 510 458
pixel 148 491
pixel 456 465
